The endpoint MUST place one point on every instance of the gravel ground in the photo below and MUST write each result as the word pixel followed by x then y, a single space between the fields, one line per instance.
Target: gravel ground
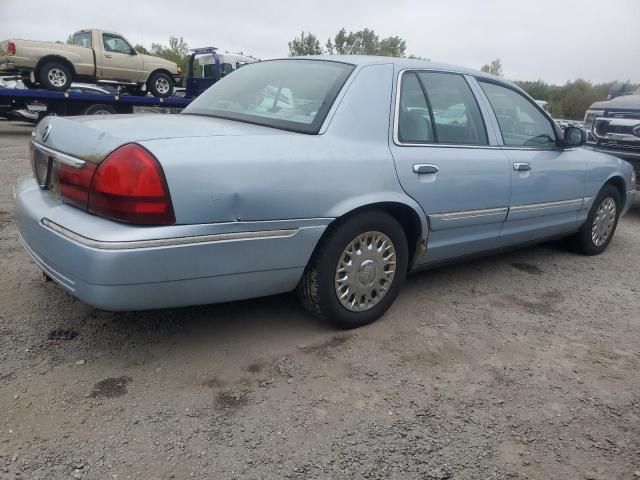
pixel 523 365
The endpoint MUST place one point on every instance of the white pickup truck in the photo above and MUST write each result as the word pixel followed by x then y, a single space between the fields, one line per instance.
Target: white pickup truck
pixel 94 56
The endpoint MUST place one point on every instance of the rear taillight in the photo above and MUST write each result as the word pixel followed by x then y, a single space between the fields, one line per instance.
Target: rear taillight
pixel 11 48
pixel 75 184
pixel 129 186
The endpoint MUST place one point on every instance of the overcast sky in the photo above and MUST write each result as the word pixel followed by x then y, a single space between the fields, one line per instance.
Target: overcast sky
pixel 555 40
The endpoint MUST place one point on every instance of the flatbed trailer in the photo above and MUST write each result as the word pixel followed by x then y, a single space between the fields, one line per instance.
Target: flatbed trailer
pixel 75 103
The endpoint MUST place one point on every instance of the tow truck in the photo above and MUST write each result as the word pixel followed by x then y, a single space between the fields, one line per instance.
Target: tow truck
pixel 214 66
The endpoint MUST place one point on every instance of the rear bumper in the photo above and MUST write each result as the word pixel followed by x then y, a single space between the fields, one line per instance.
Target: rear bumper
pixel 114 266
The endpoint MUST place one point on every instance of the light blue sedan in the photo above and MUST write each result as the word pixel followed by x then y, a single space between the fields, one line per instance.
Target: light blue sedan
pixel 330 175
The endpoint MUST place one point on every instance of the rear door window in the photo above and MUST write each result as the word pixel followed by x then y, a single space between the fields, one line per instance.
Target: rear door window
pixel 456 113
pixel 414 117
pixel 439 107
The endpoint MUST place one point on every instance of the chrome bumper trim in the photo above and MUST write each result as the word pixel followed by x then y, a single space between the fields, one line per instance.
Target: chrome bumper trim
pixel 166 242
pixel 59 156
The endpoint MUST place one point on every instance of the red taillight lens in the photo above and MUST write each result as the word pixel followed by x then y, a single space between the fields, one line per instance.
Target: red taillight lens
pixel 11 48
pixel 129 186
pixel 75 184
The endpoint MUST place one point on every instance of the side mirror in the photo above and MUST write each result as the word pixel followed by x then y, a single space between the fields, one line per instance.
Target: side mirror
pixel 574 136
pixel 133 52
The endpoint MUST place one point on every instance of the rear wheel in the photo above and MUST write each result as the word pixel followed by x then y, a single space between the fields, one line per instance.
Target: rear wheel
pixel 55 76
pixel 357 270
pixel 160 84
pixel 597 231
pixel 99 109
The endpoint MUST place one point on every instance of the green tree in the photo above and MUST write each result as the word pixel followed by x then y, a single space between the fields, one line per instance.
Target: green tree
pixel 362 42
pixel 177 51
pixel 305 44
pixel 140 49
pixel 365 42
pixel 494 68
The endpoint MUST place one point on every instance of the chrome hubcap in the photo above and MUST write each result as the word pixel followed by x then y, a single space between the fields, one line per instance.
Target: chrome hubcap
pixel 162 85
pixel 603 222
pixel 365 271
pixel 57 77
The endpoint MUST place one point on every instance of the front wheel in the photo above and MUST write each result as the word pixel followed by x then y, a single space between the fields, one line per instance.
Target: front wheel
pixel 357 270
pixel 160 84
pixel 597 231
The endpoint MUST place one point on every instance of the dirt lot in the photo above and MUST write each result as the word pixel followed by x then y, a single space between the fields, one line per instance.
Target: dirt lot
pixel 524 365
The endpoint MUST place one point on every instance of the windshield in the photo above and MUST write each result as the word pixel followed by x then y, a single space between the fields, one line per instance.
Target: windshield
pixel 287 94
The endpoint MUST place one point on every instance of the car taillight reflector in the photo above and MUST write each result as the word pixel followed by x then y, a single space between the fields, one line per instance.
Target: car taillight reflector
pixel 75 184
pixel 11 48
pixel 129 186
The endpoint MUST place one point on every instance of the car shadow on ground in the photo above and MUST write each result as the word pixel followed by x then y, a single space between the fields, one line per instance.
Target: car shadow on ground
pixel 273 324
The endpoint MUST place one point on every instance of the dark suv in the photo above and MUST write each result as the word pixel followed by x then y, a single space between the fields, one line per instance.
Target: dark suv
pixel 613 127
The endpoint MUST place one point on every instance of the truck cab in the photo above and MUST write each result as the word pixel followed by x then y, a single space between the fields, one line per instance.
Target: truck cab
pixel 211 67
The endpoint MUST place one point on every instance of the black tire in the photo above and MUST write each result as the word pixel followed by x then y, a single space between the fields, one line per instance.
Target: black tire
pixel 58 73
pixel 317 287
pixel 99 109
pixel 154 84
pixel 582 241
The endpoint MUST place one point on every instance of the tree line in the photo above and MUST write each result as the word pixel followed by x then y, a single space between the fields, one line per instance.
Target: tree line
pixel 568 101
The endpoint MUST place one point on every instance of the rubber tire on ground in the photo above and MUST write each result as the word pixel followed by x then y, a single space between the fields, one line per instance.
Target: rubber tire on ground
pixel 44 79
pixel 152 82
pixel 581 241
pixel 316 288
pixel 99 109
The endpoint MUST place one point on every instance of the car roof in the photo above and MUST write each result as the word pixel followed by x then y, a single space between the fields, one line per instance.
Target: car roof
pixel 404 63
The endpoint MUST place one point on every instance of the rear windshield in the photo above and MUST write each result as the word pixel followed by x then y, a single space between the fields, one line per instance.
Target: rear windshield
pixel 287 94
pixel 82 39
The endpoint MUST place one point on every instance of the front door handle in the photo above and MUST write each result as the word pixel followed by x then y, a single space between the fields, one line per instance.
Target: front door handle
pixel 521 167
pixel 107 55
pixel 425 168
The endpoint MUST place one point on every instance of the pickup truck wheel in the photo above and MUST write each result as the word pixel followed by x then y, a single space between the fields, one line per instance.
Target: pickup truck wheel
pixel 160 84
pixel 99 109
pixel 55 76
pixel 357 270
pixel 597 231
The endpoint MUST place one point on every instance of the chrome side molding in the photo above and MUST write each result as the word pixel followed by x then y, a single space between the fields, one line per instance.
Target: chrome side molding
pixel 539 206
pixel 470 213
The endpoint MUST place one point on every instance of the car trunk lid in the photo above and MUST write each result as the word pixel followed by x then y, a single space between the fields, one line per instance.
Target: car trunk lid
pixel 92 138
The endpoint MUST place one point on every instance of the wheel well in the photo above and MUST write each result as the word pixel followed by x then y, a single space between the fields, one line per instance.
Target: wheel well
pixel 56 58
pixel 404 214
pixel 618 183
pixel 158 70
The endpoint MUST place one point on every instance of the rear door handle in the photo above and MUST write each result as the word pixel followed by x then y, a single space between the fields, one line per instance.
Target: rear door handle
pixel 107 55
pixel 521 167
pixel 425 168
